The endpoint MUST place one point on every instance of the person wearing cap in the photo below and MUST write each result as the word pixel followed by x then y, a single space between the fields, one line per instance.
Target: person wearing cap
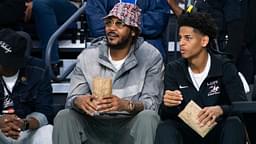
pixel 154 20
pixel 25 94
pixel 209 80
pixel 136 69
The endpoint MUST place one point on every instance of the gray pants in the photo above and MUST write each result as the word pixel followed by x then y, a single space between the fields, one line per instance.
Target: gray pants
pixel 71 127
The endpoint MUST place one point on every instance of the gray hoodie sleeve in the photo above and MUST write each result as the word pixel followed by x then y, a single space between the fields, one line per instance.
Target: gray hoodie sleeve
pixel 78 84
pixel 153 86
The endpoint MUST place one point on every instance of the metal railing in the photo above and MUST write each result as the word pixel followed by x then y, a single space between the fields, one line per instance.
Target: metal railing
pixel 53 38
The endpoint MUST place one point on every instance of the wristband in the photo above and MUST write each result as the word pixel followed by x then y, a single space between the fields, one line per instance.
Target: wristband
pixel 131 106
pixel 25 125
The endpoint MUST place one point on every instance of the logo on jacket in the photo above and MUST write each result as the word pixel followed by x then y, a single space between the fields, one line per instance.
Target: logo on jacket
pixel 183 87
pixel 214 88
pixel 6 47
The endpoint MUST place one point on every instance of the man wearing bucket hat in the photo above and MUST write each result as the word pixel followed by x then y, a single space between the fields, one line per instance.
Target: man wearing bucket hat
pixel 136 68
pixel 25 94
pixel 154 18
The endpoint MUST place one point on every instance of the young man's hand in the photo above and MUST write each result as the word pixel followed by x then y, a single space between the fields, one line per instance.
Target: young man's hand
pixel 208 115
pixel 172 98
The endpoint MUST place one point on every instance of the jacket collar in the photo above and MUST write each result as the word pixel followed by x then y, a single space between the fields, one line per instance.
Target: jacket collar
pixel 22 80
pixel 130 62
pixel 23 77
pixel 215 69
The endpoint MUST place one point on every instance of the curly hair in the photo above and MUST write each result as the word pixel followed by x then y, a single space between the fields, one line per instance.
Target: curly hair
pixel 203 22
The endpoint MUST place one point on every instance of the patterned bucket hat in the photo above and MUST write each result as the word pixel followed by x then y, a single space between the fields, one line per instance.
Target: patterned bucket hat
pixel 127 12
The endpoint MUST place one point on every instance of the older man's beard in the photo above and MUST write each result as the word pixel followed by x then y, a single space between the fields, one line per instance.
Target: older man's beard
pixel 122 42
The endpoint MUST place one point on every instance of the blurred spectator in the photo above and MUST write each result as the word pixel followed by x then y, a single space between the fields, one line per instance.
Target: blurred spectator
pixel 48 15
pixel 25 91
pixel 11 12
pixel 175 7
pixel 227 14
pixel 154 20
pixel 250 43
pixel 250 29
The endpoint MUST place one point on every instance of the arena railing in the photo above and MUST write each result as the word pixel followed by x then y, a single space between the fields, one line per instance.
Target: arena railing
pixel 54 37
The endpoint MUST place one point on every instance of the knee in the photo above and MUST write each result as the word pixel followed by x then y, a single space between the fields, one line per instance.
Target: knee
pixel 167 132
pixel 234 125
pixel 148 116
pixel 147 120
pixel 43 135
pixel 42 2
pixel 39 5
pixel 64 115
pixel 234 122
pixel 167 127
pixel 47 129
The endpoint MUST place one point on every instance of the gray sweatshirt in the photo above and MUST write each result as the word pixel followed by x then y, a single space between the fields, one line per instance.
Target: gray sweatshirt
pixel 139 79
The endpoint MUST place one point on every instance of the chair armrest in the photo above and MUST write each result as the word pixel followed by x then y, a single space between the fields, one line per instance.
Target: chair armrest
pixel 244 107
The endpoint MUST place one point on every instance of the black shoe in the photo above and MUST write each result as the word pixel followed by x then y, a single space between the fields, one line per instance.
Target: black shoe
pixel 56 68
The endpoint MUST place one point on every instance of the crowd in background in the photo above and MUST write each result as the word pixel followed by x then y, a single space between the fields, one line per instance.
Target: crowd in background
pixel 235 19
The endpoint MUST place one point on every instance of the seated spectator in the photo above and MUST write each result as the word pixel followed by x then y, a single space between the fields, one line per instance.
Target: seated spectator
pixel 49 14
pixel 206 78
pixel 25 91
pixel 128 115
pixel 154 20
pixel 227 14
pixel 11 12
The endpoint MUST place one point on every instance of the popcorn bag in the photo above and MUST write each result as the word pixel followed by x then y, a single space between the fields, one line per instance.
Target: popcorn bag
pixel 189 116
pixel 102 87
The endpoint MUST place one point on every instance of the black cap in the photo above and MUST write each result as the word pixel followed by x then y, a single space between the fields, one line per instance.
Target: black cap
pixel 12 49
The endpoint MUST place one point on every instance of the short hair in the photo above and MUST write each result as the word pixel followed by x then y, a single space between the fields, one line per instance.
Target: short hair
pixel 203 22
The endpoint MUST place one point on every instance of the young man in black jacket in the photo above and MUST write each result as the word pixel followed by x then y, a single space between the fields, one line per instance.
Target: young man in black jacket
pixel 212 82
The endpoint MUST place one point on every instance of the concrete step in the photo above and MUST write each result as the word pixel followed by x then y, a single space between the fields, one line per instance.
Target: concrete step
pixel 60 88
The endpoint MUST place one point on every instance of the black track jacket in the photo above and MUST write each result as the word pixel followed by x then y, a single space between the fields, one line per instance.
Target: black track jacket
pixel 221 87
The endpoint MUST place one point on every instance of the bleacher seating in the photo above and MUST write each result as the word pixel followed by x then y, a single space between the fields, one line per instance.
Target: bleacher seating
pixel 71 45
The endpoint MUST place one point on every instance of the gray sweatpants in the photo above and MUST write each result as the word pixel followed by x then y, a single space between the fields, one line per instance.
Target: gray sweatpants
pixel 71 127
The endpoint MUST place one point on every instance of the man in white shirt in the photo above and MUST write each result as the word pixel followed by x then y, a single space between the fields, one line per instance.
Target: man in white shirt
pixel 25 94
pixel 128 115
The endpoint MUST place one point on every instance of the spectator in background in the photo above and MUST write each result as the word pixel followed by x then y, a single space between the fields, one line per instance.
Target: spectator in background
pixel 250 29
pixel 250 42
pixel 128 116
pixel 48 15
pixel 174 5
pixel 25 91
pixel 227 14
pixel 209 80
pixel 11 13
pixel 154 20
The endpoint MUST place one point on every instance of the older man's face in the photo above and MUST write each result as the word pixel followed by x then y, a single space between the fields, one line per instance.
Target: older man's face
pixel 118 34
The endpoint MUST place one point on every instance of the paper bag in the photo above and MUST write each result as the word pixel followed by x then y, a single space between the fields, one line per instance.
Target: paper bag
pixel 102 87
pixel 189 116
